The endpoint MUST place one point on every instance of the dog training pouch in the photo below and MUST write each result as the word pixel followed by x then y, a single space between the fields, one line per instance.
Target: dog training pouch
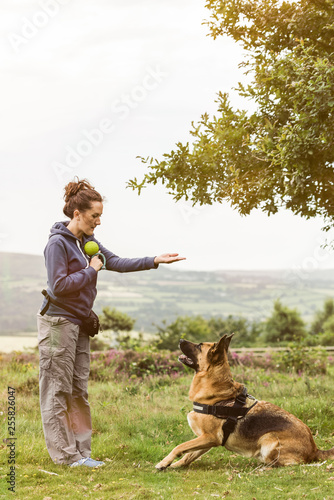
pixel 91 325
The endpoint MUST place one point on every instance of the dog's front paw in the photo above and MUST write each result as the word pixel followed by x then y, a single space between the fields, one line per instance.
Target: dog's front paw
pixel 161 466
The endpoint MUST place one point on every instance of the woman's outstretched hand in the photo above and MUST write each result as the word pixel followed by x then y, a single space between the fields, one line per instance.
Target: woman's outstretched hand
pixel 168 258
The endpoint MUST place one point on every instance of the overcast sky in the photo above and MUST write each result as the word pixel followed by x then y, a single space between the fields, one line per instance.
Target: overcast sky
pixel 86 87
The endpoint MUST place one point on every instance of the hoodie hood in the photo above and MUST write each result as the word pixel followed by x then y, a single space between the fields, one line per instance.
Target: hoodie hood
pixel 60 228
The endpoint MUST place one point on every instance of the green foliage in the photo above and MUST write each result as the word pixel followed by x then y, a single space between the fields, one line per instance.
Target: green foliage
pixel 98 344
pixel 246 333
pixel 322 327
pixel 327 336
pixel 134 365
pixel 193 328
pixel 199 329
pixel 302 359
pixel 284 325
pixel 118 321
pixel 112 319
pixel 129 342
pixel 321 317
pixel 281 154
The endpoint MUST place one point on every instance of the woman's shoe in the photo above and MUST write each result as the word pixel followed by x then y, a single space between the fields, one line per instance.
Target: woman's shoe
pixel 89 462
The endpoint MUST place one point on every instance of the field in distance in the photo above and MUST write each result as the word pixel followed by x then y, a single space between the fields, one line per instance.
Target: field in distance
pixel 153 296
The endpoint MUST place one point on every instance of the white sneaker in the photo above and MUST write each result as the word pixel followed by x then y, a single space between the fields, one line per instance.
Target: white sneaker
pixel 89 462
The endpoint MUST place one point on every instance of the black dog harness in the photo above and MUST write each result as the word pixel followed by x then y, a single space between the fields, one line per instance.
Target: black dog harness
pixel 230 413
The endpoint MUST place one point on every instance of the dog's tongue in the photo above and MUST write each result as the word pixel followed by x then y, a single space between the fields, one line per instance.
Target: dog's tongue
pixel 184 359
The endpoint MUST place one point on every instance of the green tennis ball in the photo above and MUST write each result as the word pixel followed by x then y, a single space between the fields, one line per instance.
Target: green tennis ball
pixel 91 248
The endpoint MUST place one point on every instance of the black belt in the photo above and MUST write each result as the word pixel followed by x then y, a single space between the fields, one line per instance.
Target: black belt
pixel 58 304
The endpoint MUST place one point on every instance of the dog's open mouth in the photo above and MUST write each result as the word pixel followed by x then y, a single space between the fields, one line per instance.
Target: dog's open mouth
pixel 185 360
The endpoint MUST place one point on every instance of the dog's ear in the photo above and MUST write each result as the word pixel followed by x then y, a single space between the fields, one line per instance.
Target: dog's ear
pixel 223 344
pixel 228 341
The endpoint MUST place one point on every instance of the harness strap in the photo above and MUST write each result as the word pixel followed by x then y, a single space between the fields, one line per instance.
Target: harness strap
pixel 220 411
pixel 228 428
pixel 230 413
pixel 231 422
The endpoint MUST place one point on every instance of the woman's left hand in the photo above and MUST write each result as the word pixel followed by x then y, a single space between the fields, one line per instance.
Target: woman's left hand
pixel 168 258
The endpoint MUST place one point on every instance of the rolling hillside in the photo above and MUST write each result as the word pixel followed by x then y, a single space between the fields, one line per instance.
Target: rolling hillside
pixel 154 296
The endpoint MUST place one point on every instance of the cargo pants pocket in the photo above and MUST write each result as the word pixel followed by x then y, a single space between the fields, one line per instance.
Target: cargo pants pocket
pixel 56 365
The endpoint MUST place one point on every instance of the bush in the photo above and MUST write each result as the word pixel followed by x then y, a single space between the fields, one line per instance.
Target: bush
pixel 22 362
pixel 301 359
pixel 98 344
pixel 249 359
pixel 132 364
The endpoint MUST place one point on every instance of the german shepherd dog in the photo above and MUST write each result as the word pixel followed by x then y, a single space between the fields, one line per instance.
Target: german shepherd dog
pixel 267 432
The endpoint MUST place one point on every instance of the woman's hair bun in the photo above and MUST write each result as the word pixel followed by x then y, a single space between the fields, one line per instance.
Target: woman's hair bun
pixel 79 194
pixel 72 188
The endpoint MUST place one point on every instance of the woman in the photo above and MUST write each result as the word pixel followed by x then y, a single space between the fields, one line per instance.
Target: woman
pixel 63 344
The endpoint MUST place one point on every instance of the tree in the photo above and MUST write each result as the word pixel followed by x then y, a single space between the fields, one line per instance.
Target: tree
pixel 284 325
pixel 281 154
pixel 246 333
pixel 199 329
pixel 193 328
pixel 117 321
pixel 112 319
pixel 321 317
pixel 327 336
pixel 322 328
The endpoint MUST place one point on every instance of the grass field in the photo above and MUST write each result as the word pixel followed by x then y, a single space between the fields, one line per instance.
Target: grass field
pixel 137 422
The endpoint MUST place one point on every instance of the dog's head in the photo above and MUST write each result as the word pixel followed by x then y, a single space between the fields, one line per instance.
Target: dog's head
pixel 205 354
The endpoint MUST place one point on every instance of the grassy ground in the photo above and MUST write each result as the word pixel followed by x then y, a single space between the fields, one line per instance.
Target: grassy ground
pixel 136 424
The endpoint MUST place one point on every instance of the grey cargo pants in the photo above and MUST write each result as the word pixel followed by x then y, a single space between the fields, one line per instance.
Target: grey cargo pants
pixel 63 381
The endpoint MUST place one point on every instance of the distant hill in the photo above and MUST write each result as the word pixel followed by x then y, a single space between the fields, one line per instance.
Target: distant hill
pixel 154 296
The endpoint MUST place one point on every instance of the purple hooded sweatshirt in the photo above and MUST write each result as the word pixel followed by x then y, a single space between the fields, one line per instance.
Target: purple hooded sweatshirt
pixel 71 280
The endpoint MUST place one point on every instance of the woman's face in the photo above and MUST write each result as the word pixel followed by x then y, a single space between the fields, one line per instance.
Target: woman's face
pixel 91 218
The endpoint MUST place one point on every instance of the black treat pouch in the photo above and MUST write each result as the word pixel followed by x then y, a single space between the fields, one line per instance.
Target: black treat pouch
pixel 91 325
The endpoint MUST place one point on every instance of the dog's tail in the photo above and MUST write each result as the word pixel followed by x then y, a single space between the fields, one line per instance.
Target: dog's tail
pixel 325 454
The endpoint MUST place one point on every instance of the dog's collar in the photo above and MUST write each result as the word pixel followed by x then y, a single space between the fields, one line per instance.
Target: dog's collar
pixel 224 409
pixel 230 413
pixel 222 412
